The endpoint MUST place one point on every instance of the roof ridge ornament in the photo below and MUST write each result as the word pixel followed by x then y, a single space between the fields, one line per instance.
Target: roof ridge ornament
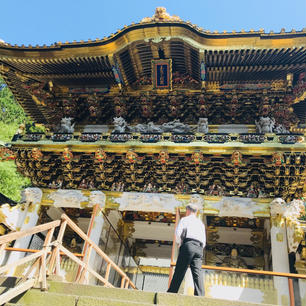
pixel 160 16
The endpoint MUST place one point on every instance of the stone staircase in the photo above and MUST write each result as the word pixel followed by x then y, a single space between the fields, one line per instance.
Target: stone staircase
pixel 71 294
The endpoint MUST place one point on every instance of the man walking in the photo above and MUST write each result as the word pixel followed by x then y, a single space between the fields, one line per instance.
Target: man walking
pixel 190 235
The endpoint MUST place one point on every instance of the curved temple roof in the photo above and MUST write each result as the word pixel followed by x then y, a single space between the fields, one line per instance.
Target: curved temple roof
pixel 252 56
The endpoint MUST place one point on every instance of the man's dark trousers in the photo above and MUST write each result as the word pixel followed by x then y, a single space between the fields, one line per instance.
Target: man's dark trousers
pixel 190 254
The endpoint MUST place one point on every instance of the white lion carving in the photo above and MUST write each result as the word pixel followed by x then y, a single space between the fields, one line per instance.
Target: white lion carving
pixel 120 125
pixel 202 125
pixel 265 125
pixel 66 126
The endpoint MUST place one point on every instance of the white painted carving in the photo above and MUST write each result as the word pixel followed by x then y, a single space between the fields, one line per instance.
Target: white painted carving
pixel 97 197
pixel 202 126
pixel 147 202
pixel 66 126
pixel 277 207
pixel 235 206
pixel 291 212
pixel 265 125
pixel 31 195
pixel 11 216
pixel 68 198
pixel 197 200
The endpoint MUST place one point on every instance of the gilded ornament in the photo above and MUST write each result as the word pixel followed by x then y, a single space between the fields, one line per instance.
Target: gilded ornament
pixel 277 159
pixel 163 157
pixel 67 155
pixel 131 157
pixel 279 237
pixel 160 15
pixel 6 154
pixel 197 157
pixel 100 156
pixel 36 154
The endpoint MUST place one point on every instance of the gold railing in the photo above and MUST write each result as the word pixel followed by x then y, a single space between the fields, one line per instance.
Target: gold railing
pixel 47 261
pixel 242 272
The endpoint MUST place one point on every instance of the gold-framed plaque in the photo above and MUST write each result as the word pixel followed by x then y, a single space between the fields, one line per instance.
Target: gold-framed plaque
pixel 162 74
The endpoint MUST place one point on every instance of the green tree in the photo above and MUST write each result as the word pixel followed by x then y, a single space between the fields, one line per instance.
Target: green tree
pixel 11 182
pixel 11 116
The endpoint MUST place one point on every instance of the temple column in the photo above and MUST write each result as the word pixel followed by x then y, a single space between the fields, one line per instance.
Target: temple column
pixel 97 200
pixel 300 266
pixel 280 260
pixel 26 220
pixel 286 234
pixel 30 220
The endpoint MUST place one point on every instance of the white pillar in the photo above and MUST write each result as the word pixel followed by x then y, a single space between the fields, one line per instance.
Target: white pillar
pixel 280 260
pixel 30 220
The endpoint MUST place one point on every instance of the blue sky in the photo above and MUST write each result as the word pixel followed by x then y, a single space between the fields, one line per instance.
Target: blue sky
pixel 45 22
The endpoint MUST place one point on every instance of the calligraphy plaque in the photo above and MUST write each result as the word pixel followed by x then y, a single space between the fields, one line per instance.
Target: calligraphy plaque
pixel 162 74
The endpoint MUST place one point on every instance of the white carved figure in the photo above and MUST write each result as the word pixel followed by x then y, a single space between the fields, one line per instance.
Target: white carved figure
pixel 175 126
pixel 265 125
pixel 152 128
pixel 66 126
pixel 295 209
pixel 280 129
pixel 290 210
pixel 139 128
pixel 277 207
pixel 146 128
pixel 202 126
pixel 31 195
pixel 97 197
pixel 120 125
pixel 68 198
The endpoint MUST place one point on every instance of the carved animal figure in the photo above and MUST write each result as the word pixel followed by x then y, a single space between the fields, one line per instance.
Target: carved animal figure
pixel 146 128
pixel 265 125
pixel 120 125
pixel 280 129
pixel 175 126
pixel 202 125
pixel 66 126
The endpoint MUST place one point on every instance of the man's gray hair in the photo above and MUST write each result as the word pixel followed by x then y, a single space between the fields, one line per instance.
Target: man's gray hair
pixel 192 207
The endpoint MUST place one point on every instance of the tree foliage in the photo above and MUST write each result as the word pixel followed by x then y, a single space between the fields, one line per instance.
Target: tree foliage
pixel 11 112
pixel 11 116
pixel 11 182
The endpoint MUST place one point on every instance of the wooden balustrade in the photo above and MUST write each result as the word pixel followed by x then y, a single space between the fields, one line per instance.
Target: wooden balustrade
pixel 47 260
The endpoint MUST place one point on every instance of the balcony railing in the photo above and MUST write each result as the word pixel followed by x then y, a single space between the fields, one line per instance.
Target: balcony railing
pixel 214 138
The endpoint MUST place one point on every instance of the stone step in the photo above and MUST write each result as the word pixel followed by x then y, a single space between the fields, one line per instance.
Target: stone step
pixel 35 297
pixel 174 299
pixel 71 294
pixel 95 301
pixel 99 291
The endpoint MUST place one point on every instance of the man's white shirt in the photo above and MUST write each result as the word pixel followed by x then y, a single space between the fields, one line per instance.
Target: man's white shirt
pixel 195 229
